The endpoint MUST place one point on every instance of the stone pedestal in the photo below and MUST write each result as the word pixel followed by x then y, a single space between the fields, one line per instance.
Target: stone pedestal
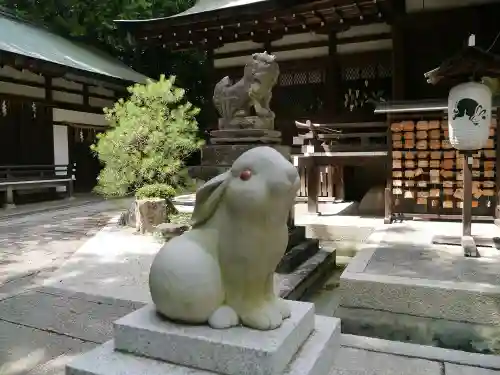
pixel 232 140
pixel 144 343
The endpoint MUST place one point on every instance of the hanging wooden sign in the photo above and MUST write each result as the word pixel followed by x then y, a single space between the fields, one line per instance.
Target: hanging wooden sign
pixel 409 163
pixel 434 124
pixel 423 125
pixel 435 134
pixel 436 155
pixel 434 144
pixel 408 126
pixel 396 126
pixel 422 145
pixel 422 134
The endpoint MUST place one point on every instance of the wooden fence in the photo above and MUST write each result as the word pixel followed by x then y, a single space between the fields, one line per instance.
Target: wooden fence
pixel 326 178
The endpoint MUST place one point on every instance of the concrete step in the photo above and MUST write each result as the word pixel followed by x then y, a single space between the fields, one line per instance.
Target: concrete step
pixel 297 255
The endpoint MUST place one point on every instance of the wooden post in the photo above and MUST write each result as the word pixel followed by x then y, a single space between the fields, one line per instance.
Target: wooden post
pixel 467 202
pixel 338 175
pixel 468 244
pixel 387 205
pixel 9 197
pixel 312 186
pixel 497 175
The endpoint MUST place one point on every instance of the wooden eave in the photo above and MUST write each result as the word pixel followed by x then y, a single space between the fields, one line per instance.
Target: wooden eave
pixel 53 70
pixel 471 62
pixel 261 22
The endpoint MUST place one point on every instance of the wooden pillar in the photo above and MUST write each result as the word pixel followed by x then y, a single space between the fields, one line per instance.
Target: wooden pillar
pixel 467 202
pixel 332 81
pixel 338 176
pixel 312 175
pixel 9 197
pixel 209 106
pixel 398 63
pixel 497 170
pixel 468 243
pixel 388 199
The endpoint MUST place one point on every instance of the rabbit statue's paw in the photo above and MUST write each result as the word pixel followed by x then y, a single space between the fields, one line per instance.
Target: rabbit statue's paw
pixel 283 307
pixel 267 316
pixel 223 317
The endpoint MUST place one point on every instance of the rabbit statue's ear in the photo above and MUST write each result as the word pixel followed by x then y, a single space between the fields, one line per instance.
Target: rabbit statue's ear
pixel 208 198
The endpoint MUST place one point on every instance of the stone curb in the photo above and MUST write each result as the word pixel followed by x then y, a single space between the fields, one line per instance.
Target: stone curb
pixel 432 353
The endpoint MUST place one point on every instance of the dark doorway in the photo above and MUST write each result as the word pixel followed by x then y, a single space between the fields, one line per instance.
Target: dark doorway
pixel 86 163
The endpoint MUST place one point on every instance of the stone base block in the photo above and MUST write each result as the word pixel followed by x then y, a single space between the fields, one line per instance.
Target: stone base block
pixel 247 122
pixel 235 351
pixel 315 357
pixel 245 136
pixel 206 172
pixel 225 155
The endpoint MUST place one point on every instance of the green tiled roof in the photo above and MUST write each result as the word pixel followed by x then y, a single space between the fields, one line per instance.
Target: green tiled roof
pixel 23 38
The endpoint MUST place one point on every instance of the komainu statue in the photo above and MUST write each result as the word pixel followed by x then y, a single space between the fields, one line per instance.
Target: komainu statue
pixel 221 272
pixel 252 90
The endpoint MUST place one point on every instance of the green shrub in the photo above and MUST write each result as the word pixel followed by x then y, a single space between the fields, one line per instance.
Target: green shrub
pixel 151 135
pixel 164 191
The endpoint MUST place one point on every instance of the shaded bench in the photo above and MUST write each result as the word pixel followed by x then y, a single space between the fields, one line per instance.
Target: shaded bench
pixel 34 177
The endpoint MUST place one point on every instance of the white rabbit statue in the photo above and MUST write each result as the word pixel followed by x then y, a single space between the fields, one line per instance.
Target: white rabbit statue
pixel 222 270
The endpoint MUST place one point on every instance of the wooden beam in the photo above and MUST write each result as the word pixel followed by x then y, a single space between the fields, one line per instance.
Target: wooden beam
pixel 52 103
pixel 398 63
pixel 365 38
pixel 332 87
pixel 288 47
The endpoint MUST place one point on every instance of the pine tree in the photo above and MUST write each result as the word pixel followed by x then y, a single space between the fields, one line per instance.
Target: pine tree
pixel 151 134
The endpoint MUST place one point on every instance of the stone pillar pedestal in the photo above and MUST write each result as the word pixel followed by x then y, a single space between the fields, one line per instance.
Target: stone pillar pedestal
pixel 144 343
pixel 232 140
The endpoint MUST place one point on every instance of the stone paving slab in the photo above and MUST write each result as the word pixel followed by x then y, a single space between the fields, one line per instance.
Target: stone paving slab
pixel 23 348
pixel 435 263
pixel 85 320
pixel 452 369
pixel 351 361
pixel 57 366
pixel 114 263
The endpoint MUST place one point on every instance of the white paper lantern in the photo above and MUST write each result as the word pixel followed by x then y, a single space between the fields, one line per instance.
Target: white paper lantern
pixel 469 115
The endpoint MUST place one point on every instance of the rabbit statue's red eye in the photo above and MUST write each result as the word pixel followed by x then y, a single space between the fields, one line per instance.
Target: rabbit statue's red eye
pixel 246 174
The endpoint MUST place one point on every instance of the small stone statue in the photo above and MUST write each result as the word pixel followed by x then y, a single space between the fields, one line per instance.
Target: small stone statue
pixel 252 90
pixel 222 270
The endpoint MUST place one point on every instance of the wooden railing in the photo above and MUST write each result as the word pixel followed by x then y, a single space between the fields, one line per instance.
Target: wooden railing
pixel 342 137
pixel 32 177
pixel 34 172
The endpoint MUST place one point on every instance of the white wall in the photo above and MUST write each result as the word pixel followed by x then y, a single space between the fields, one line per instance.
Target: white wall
pixel 61 149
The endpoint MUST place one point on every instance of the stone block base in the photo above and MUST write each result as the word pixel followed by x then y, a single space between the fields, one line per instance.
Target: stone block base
pixel 315 357
pixel 233 351
pixel 245 136
pixel 216 159
pixel 225 155
pixel 247 122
